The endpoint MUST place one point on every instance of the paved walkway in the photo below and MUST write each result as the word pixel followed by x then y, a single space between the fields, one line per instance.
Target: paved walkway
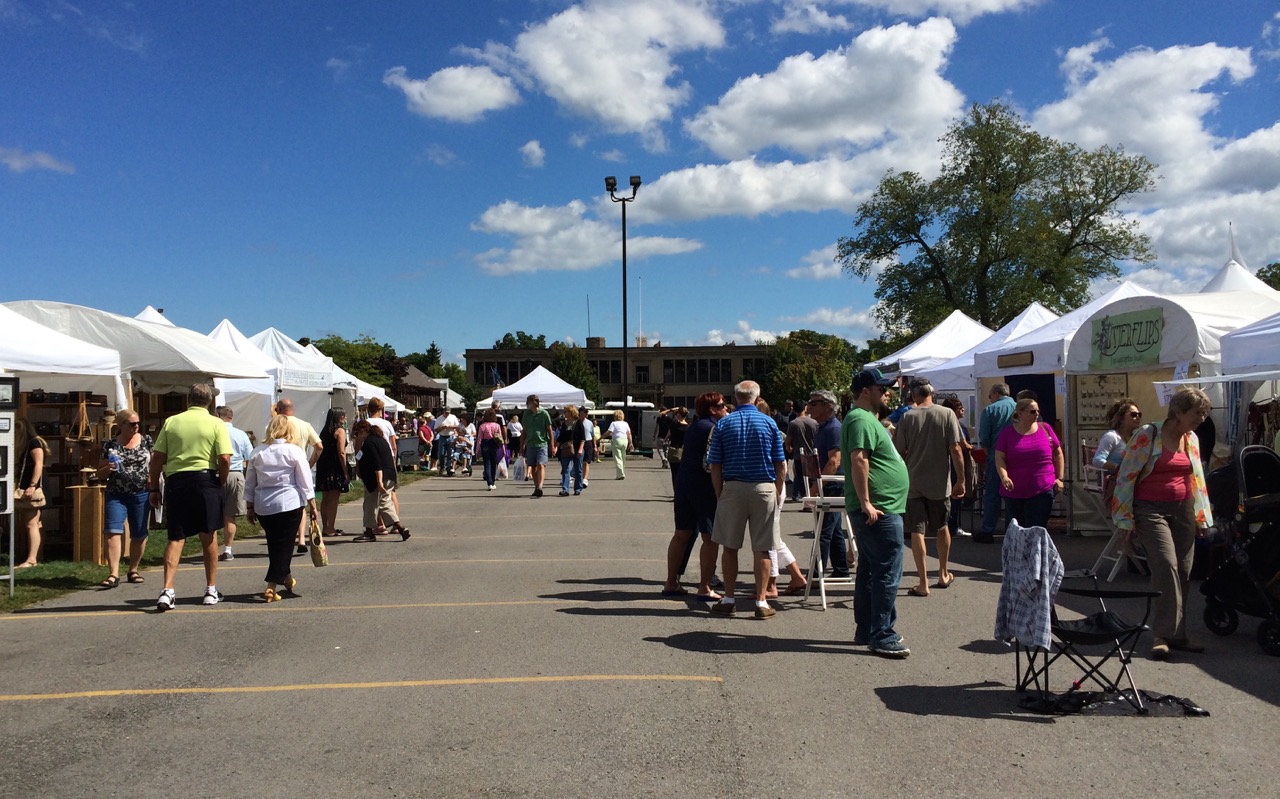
pixel 517 647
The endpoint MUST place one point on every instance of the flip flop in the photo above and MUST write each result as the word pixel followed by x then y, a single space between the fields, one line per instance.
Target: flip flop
pixel 913 591
pixel 795 590
pixel 709 597
pixel 674 592
pixel 947 584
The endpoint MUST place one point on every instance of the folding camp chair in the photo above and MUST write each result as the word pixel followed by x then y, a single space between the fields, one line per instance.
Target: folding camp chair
pixel 1103 630
pixel 1027 617
pixel 822 505
pixel 1116 551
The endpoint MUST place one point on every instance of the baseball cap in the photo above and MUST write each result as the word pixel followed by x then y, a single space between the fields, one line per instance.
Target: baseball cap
pixel 870 377
pixel 825 396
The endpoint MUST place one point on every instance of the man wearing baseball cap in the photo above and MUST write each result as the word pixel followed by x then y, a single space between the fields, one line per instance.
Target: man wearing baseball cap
pixel 875 497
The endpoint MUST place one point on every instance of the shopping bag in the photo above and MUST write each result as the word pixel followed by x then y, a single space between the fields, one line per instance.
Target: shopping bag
pixel 502 469
pixel 319 555
pixel 519 471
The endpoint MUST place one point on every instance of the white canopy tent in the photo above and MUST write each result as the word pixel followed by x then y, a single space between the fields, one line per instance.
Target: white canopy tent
pixel 250 399
pixel 159 359
pixel 957 373
pixel 150 314
pixel 1253 348
pixel 949 338
pixel 361 392
pixel 551 390
pixel 44 358
pixel 1235 276
pixel 304 376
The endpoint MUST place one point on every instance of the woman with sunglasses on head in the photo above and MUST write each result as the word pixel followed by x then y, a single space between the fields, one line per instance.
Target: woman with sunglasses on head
pixel 1124 418
pixel 124 464
pixel 1161 498
pixel 1030 465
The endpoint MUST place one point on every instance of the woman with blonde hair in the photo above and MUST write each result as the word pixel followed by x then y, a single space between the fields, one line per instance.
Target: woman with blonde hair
pixel 125 463
pixel 1161 498
pixel 277 487
pixel 30 451
pixel 619 435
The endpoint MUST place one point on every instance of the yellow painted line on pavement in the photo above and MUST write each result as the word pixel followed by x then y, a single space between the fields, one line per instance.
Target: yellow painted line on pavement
pixel 340 686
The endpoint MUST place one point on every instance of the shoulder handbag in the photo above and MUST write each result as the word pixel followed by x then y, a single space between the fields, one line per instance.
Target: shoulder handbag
pixel 37 499
pixel 319 554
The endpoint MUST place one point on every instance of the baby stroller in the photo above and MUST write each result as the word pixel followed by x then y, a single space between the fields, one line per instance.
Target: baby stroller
pixel 1248 580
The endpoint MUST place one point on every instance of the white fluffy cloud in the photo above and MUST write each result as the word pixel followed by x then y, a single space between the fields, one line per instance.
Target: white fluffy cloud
pixel 959 10
pixel 22 161
pixel 854 324
pixel 533 154
pixel 807 16
pixel 743 334
pixel 458 94
pixel 818 265
pixel 562 239
pixel 887 84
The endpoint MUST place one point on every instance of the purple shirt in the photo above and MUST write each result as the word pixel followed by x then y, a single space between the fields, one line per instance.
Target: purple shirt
pixel 1028 460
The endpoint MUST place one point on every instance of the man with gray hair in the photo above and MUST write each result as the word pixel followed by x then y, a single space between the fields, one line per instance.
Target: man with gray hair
pixel 748 473
pixel 995 417
pixel 233 503
pixel 833 542
pixel 926 438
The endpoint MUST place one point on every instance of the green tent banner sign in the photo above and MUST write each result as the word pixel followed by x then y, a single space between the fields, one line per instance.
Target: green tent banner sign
pixel 1126 340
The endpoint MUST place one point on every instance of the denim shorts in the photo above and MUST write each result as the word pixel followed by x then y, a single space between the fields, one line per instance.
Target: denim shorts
pixel 536 455
pixel 132 507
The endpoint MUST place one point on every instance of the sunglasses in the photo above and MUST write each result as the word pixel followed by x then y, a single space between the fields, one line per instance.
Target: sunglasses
pixel 133 424
pixel 1136 414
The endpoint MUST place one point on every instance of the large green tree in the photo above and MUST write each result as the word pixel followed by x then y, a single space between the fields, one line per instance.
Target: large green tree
pixel 803 361
pixel 1270 274
pixel 430 362
pixel 521 341
pixel 461 383
pixel 569 363
pixel 371 361
pixel 1012 217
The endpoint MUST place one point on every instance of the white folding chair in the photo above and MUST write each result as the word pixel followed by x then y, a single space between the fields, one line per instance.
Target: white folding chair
pixel 1095 484
pixel 822 505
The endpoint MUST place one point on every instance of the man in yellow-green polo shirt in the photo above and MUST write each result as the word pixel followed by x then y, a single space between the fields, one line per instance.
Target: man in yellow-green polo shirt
pixel 194 452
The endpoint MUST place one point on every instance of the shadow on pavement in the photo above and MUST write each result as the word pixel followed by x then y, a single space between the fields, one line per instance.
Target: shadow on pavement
pixel 718 643
pixel 983 700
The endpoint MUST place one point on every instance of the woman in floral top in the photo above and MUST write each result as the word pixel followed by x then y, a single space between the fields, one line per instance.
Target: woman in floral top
pixel 1161 498
pixel 125 461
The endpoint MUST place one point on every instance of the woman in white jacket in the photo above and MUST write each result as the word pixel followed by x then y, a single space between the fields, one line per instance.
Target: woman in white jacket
pixel 619 435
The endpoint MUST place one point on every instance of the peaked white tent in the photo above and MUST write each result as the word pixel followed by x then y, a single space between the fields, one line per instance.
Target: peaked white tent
pixel 1235 276
pixel 44 358
pixel 949 338
pixel 360 391
pixel 150 314
pixel 304 376
pixel 957 374
pixel 1252 349
pixel 250 399
pixel 551 390
pixel 159 359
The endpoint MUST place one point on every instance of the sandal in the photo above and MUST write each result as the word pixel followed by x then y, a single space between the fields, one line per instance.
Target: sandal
pixel 134 577
pixel 271 596
pixel 111 582
pixel 291 588
pixel 913 591
pixel 795 590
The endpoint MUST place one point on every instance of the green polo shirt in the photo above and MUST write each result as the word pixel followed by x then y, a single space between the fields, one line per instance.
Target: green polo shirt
pixel 192 441
pixel 535 428
pixel 887 480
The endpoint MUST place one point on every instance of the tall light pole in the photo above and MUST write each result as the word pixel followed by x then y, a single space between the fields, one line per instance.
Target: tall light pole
pixel 611 186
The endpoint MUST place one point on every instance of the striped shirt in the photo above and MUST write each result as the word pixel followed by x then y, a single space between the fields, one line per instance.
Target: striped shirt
pixel 747 444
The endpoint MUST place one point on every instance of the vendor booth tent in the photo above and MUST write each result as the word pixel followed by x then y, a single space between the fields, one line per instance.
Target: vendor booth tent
pixel 360 391
pixel 159 359
pixel 1253 348
pixel 304 376
pixel 1235 276
pixel 44 358
pixel 949 338
pixel 551 390
pixel 250 399
pixel 957 373
pixel 150 314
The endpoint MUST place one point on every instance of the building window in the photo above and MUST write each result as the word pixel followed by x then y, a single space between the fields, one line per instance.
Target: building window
pixel 642 374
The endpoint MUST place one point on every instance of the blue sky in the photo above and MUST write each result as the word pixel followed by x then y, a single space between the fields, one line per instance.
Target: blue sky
pixel 435 170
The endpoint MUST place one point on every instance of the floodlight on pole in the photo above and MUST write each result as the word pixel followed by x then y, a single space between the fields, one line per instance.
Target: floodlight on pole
pixel 611 186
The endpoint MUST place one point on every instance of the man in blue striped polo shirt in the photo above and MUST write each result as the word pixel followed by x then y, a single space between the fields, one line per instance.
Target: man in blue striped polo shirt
pixel 748 472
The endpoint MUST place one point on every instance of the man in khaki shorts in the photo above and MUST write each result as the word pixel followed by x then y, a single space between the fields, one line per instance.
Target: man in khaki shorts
pixel 233 505
pixel 748 473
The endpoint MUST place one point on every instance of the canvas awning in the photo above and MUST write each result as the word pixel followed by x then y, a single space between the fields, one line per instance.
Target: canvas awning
pixel 44 358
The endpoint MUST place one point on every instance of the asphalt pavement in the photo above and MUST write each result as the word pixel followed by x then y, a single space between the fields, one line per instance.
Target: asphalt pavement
pixel 515 647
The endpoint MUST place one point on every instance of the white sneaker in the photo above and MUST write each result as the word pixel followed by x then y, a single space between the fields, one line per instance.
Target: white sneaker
pixel 166 600
pixel 226 555
pixel 211 596
pixel 962 533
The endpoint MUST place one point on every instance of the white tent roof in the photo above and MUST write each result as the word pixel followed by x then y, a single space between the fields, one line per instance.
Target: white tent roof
pixel 364 391
pixel 299 367
pixel 949 338
pixel 1252 348
pixel 1235 276
pixel 1194 325
pixel 150 314
pixel 159 358
pixel 551 390
pixel 957 373
pixel 34 352
pixel 1048 344
pixel 228 335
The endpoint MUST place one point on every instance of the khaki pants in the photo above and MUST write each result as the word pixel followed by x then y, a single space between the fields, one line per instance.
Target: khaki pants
pixel 378 506
pixel 1168 532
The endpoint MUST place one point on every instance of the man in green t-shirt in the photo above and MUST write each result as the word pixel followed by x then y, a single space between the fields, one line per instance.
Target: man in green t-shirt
pixel 537 440
pixel 875 497
pixel 194 452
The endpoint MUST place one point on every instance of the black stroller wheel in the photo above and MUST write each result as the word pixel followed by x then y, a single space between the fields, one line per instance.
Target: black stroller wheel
pixel 1269 637
pixel 1221 619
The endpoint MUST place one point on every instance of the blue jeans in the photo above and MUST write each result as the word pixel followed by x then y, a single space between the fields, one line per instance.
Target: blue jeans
pixel 1033 511
pixel 875 592
pixel 834 544
pixel 132 507
pixel 571 466
pixel 991 498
